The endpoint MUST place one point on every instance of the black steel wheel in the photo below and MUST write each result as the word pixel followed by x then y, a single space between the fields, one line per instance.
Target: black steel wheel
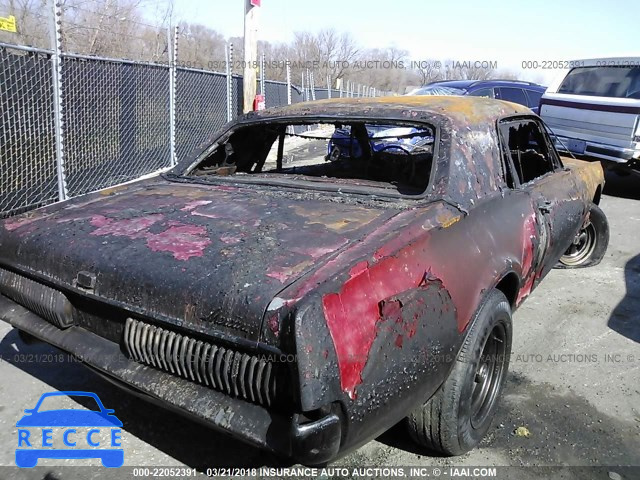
pixel 456 418
pixel 590 244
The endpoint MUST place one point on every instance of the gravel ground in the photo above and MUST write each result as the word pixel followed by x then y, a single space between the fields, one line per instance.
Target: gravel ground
pixel 574 382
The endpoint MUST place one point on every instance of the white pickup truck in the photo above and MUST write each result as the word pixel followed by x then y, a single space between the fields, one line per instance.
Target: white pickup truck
pixel 594 110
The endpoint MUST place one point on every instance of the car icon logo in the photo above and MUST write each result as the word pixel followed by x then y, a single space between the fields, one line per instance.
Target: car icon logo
pixel 69 433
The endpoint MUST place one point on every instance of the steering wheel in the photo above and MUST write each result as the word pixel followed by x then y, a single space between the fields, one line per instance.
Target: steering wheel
pixel 398 147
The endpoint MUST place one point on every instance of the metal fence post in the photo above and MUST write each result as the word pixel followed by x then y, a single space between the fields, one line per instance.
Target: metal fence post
pixel 56 64
pixel 328 86
pixel 173 58
pixel 262 79
pixel 288 83
pixel 229 55
pixel 312 84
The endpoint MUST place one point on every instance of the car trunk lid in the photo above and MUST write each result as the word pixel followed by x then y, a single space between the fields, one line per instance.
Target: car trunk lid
pixel 208 258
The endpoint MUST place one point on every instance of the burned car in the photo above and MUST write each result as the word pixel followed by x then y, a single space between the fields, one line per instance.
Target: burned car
pixel 305 305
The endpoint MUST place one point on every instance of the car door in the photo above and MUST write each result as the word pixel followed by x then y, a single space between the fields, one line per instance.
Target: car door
pixel 483 92
pixel 512 94
pixel 538 171
pixel 534 97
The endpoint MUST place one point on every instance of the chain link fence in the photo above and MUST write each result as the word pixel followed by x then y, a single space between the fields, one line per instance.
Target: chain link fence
pixel 27 171
pixel 110 121
pixel 116 122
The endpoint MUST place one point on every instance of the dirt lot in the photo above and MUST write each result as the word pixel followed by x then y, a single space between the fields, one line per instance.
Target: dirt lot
pixel 574 382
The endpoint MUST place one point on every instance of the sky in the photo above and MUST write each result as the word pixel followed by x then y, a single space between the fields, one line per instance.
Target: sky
pixel 507 32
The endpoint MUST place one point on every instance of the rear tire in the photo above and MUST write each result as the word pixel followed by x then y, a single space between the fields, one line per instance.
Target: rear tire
pixel 591 243
pixel 458 416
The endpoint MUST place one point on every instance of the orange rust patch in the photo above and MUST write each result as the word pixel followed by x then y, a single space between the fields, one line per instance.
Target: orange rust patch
pixel 337 222
pixel 446 219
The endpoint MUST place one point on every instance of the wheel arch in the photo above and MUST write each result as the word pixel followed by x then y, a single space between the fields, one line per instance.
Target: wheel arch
pixel 509 284
pixel 597 195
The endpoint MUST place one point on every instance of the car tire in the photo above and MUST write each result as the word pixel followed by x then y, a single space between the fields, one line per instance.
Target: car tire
pixel 456 418
pixel 591 243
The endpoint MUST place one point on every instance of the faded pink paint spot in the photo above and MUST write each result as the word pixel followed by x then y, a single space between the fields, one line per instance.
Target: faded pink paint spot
pixel 207 214
pixel 279 275
pixel 128 227
pixel 230 239
pixel 14 224
pixel 274 325
pixel 196 203
pixel 317 252
pixel 184 241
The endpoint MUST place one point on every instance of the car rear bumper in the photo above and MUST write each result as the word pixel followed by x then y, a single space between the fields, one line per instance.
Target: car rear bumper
pixel 603 151
pixel 308 443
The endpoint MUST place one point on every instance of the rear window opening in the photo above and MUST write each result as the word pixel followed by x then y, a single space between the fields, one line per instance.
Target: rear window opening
pixel 393 157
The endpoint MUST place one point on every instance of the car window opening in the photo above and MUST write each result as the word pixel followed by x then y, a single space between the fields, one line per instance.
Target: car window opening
pixel 389 156
pixel 527 149
pixel 603 81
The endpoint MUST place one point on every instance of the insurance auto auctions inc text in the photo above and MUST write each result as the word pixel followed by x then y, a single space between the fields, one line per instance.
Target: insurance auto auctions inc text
pixel 375 472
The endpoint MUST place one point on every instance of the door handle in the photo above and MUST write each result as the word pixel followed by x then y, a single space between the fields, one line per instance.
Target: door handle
pixel 545 206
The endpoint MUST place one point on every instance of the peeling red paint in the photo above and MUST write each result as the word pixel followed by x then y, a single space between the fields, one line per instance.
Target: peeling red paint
pixel 358 268
pixel 274 325
pixel 353 313
pixel 183 242
pixel 528 238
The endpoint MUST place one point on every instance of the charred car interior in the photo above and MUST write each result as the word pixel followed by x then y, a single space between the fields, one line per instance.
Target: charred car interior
pixel 389 157
pixel 264 289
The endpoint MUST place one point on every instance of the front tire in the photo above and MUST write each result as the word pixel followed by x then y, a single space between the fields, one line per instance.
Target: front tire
pixel 590 244
pixel 458 416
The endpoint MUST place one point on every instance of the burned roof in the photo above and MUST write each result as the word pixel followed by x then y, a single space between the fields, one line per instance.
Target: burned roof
pixel 467 110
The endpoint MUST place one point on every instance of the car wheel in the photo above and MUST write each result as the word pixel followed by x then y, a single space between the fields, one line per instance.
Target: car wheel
pixel 458 416
pixel 591 242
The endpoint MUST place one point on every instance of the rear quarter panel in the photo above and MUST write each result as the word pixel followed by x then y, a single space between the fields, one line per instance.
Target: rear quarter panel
pixel 589 177
pixel 380 335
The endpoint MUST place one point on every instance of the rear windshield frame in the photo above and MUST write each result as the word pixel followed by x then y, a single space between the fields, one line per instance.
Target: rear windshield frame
pixel 184 174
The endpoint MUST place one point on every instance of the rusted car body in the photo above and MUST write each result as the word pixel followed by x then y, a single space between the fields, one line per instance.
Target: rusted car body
pixel 302 320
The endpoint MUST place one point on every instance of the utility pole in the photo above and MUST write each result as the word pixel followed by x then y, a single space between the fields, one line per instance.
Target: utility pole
pixel 251 8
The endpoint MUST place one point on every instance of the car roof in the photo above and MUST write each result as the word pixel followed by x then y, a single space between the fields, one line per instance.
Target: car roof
pixel 465 110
